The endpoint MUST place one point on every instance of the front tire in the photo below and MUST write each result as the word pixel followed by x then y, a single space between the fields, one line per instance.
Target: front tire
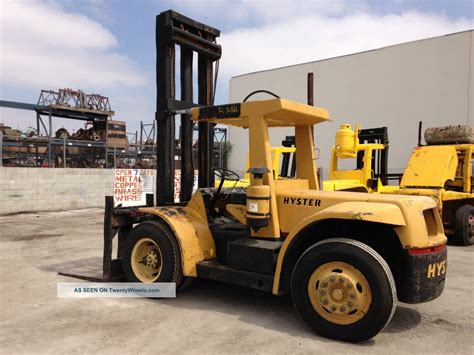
pixel 344 290
pixel 151 254
pixel 464 225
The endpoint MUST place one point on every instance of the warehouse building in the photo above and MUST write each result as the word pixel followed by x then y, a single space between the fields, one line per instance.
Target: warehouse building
pixel 429 80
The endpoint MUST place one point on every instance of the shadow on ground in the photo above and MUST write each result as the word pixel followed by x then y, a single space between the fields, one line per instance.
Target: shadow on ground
pixel 89 267
pixel 251 306
pixel 266 310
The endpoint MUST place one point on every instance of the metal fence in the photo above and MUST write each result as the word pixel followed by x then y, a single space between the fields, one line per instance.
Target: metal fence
pixel 49 152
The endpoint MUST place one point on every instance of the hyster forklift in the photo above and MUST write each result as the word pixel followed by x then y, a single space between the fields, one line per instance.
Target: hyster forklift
pixel 345 258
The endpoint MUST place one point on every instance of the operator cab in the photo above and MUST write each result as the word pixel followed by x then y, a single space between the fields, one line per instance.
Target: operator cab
pixel 258 117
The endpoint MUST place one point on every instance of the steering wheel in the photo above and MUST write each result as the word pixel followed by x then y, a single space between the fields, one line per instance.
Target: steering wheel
pixel 225 174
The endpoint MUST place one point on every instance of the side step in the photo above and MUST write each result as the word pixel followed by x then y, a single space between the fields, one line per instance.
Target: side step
pixel 255 255
pixel 213 270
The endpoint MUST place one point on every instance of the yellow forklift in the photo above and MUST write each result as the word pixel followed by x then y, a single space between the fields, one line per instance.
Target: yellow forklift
pixel 346 258
pixel 441 169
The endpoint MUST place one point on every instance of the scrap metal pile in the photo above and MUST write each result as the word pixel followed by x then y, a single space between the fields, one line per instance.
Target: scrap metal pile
pixel 89 134
pixel 86 147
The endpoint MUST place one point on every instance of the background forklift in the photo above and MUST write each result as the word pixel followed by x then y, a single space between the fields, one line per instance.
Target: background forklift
pixel 364 154
pixel 441 169
pixel 345 257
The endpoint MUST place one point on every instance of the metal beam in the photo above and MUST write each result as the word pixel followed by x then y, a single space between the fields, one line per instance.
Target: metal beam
pixel 206 132
pixel 165 89
pixel 187 166
pixel 21 105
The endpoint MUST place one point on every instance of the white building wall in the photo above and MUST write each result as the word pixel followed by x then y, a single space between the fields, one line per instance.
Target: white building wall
pixel 429 80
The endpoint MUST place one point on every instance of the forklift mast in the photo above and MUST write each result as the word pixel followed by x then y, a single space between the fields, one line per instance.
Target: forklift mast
pixel 174 29
pixel 379 157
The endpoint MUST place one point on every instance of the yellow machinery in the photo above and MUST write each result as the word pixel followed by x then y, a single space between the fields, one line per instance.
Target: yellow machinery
pixel 346 258
pixel 358 178
pixel 442 172
pixel 276 154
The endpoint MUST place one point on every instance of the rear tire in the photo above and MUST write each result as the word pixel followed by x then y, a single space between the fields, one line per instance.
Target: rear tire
pixel 464 225
pixel 344 290
pixel 151 254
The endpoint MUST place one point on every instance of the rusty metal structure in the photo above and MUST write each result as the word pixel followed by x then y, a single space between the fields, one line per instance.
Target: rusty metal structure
pixel 75 99
pixel 46 148
pixel 88 146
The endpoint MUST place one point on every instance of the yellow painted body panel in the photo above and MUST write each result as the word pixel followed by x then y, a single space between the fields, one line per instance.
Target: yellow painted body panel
pixel 238 212
pixel 338 185
pixel 283 184
pixel 430 166
pixel 297 205
pixel 231 184
pixel 335 208
pixel 438 195
pixel 455 195
pixel 453 173
pixel 356 185
pixel 388 189
pixel 403 212
pixel 190 226
pixel 277 113
pixel 436 171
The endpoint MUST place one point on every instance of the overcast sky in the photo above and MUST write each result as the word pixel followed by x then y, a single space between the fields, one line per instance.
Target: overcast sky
pixel 107 46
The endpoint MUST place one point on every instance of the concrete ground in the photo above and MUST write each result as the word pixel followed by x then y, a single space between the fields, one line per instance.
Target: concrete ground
pixel 208 317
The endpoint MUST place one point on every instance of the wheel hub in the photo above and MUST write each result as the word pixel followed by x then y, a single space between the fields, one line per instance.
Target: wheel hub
pixel 151 259
pixel 339 293
pixel 146 260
